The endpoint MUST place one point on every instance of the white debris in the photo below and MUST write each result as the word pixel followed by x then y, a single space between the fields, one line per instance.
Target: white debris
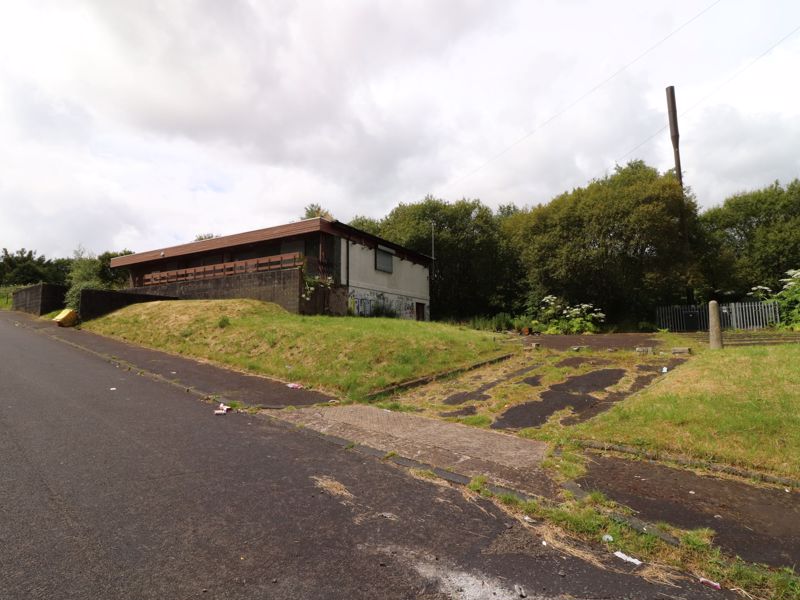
pixel 294 386
pixel 608 538
pixel 222 409
pixel 627 558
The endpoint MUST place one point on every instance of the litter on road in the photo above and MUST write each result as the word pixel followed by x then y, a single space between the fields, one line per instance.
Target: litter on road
pixel 295 386
pixel 627 558
pixel 712 584
pixel 112 389
pixel 222 409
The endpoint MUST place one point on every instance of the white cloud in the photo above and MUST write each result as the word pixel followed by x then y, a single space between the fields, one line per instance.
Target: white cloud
pixel 142 124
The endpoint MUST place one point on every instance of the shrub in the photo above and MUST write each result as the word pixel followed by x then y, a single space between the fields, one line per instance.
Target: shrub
pixel 789 299
pixel 383 309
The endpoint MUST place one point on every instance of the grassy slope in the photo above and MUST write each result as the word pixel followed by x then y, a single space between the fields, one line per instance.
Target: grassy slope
pixel 738 406
pixel 347 355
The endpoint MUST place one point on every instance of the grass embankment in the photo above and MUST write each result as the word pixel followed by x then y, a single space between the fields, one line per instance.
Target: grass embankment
pixel 739 406
pixel 350 356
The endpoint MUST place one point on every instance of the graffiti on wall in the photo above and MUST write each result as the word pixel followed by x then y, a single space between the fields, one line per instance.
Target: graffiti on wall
pixel 367 303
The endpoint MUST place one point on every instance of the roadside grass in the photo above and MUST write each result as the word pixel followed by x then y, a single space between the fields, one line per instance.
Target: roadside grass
pixel 6 292
pixel 739 406
pixel 349 356
pixel 591 518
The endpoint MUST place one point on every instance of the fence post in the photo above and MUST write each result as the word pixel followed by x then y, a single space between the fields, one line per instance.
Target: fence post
pixel 714 328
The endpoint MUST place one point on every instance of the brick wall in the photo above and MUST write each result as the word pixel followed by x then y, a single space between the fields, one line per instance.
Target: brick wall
pixel 282 287
pixel 39 299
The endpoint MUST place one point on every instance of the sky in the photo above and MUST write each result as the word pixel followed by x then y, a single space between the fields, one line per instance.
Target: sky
pixel 141 124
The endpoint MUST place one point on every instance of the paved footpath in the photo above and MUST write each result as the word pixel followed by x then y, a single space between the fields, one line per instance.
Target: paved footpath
pixel 506 460
pixel 114 485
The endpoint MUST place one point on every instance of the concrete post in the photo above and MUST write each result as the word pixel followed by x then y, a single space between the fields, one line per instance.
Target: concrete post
pixel 714 327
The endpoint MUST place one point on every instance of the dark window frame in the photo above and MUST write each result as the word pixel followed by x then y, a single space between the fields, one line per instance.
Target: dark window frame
pixel 379 251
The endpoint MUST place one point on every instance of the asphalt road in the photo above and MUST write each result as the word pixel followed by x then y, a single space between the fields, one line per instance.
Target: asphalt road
pixel 114 485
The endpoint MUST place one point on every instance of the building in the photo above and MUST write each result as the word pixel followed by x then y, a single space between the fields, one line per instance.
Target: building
pixel 314 266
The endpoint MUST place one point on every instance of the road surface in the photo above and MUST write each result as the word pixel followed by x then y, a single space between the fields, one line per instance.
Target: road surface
pixel 116 485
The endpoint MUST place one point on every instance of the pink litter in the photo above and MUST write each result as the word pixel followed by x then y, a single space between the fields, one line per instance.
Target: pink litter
pixel 222 409
pixel 295 386
pixel 712 584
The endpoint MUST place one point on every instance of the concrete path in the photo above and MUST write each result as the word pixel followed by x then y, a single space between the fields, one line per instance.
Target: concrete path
pixel 505 460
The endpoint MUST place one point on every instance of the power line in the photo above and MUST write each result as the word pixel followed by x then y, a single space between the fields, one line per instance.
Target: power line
pixel 714 91
pixel 580 98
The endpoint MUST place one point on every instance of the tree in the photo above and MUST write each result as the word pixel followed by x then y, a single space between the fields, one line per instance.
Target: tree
pixel 367 224
pixel 24 267
pixel 205 236
pixel 90 271
pixel 315 210
pixel 623 243
pixel 756 235
pixel 467 275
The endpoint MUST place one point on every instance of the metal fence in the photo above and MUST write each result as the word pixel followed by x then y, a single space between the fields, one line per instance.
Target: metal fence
pixel 734 315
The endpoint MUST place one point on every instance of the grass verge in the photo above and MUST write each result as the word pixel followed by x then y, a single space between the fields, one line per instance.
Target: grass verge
pixel 739 406
pixel 350 356
pixel 6 293
pixel 591 518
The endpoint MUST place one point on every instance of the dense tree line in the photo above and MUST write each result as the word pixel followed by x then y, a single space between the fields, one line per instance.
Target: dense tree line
pixel 25 267
pixel 627 243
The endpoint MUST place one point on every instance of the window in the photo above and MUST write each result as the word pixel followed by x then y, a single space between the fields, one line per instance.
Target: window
pixel 383 260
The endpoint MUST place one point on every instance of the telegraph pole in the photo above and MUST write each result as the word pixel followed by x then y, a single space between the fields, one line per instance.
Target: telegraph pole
pixel 672 111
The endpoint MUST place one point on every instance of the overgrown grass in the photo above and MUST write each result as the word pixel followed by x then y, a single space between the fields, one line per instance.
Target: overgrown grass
pixel 6 292
pixel 592 517
pixel 350 356
pixel 739 406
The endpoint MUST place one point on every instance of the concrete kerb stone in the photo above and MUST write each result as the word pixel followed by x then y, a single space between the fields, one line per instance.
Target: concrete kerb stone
pixel 412 383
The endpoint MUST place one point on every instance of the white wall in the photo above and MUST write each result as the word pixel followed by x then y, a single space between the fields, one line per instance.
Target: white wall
pixel 406 285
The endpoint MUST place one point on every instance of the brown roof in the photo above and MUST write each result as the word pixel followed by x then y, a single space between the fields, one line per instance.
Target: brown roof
pixel 263 235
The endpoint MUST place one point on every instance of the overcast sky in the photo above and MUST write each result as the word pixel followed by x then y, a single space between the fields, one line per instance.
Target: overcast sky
pixel 138 124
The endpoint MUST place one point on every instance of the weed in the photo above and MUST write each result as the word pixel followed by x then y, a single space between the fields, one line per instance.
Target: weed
pixel 223 322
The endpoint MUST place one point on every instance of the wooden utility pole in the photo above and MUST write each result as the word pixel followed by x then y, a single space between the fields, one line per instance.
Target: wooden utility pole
pixel 672 111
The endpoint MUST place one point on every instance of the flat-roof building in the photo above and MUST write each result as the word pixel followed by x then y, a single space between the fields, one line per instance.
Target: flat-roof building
pixel 314 266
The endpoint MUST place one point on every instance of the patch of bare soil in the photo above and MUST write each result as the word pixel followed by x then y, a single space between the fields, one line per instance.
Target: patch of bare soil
pixel 533 380
pixel 599 341
pixel 578 361
pixel 461 412
pixel 479 393
pixel 759 524
pixel 575 392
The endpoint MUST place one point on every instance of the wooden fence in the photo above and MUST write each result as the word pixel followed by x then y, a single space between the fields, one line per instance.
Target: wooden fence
pixel 734 315
pixel 267 263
